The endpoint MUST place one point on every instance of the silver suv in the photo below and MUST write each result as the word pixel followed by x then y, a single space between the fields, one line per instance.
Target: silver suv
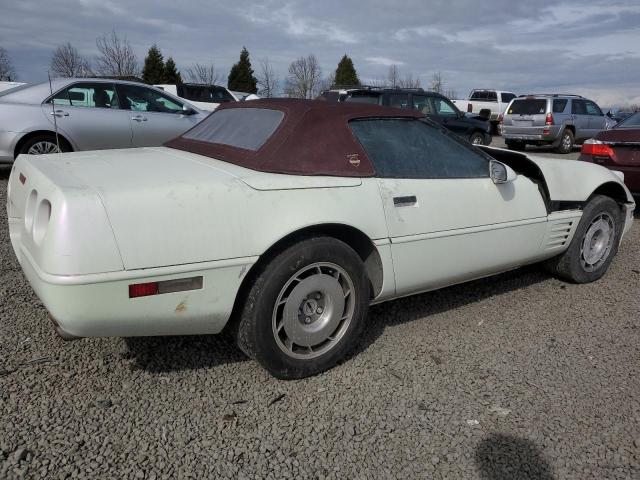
pixel 555 120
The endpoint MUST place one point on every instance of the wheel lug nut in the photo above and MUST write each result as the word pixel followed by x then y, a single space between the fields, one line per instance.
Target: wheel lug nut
pixel 317 296
pixel 307 320
pixel 319 310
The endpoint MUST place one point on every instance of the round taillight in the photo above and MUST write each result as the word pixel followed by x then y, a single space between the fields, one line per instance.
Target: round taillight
pixel 41 221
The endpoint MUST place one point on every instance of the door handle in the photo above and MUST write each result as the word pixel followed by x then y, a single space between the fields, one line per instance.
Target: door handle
pixel 59 113
pixel 139 118
pixel 406 201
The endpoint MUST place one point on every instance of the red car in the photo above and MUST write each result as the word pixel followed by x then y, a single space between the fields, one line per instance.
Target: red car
pixel 618 149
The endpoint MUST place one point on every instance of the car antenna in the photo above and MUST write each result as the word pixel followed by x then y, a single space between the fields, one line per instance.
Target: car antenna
pixel 53 112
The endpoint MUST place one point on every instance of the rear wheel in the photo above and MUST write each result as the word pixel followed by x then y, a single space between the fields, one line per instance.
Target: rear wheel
pixel 43 144
pixel 566 142
pixel 515 145
pixel 594 244
pixel 306 309
pixel 476 138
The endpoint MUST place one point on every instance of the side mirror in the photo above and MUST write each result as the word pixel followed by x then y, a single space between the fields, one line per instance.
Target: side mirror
pixel 501 173
pixel 188 111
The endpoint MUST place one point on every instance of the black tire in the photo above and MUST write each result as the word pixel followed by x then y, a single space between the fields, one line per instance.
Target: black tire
pixel 566 142
pixel 572 265
pixel 516 145
pixel 48 139
pixel 476 138
pixel 257 331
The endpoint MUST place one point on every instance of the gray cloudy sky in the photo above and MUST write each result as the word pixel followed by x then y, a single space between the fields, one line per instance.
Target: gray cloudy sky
pixel 587 47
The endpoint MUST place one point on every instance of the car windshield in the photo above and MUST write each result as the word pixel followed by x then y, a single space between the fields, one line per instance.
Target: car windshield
pixel 247 128
pixel 632 121
pixel 527 106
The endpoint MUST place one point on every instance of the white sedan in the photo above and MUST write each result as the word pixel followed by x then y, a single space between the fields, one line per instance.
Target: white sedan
pixel 283 220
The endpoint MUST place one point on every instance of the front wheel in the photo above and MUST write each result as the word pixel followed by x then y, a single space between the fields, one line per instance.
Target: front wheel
pixel 306 309
pixel 594 243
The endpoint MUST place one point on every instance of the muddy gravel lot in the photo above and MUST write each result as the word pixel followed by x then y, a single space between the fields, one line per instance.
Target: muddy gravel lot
pixel 516 376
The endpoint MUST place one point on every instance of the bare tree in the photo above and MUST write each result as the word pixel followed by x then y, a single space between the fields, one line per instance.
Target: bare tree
pixel 326 83
pixel 304 77
pixel 67 62
pixel 408 81
pixel 450 93
pixel 268 80
pixel 7 72
pixel 437 84
pixel 117 57
pixel 393 77
pixel 203 74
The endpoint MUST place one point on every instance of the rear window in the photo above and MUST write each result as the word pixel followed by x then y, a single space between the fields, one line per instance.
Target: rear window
pixel 507 97
pixel 527 106
pixel 247 128
pixel 363 98
pixel 204 93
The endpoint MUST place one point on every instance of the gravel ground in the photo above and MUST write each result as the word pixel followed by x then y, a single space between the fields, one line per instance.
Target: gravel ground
pixel 517 376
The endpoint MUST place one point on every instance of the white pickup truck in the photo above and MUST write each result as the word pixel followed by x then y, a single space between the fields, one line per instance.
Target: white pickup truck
pixel 495 101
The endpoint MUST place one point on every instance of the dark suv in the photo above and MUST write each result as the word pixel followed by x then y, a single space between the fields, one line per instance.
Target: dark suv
pixel 437 107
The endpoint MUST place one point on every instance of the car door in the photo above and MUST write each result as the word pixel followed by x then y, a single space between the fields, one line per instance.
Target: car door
pixel 155 117
pixel 448 221
pixel 596 118
pixel 88 114
pixel 446 114
pixel 580 119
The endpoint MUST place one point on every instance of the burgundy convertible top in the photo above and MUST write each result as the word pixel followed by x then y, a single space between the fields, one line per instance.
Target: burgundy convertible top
pixel 313 138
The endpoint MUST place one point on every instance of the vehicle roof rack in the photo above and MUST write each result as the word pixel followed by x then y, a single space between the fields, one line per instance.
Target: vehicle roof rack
pixel 551 95
pixel 375 87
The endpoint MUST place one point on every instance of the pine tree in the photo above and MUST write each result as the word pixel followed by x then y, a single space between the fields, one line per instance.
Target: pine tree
pixel 241 77
pixel 153 70
pixel 346 72
pixel 171 74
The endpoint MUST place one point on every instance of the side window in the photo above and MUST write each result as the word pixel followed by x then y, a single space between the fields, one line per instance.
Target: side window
pixel 410 148
pixel 507 97
pixel 143 99
pixel 593 109
pixel 421 103
pixel 578 107
pixel 88 95
pixel 443 107
pixel 478 95
pixel 559 105
pixel 492 96
pixel 399 100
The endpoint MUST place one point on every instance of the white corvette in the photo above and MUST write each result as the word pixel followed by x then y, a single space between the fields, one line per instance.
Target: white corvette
pixel 284 219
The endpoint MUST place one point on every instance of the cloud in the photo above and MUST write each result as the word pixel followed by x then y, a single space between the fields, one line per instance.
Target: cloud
pixel 590 46
pixel 387 62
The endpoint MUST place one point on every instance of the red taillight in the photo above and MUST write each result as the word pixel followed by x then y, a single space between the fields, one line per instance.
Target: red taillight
pixel 549 119
pixel 143 289
pixel 596 148
pixel 469 107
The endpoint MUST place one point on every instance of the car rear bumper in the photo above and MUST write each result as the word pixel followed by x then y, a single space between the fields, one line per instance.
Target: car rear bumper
pixel 98 305
pixel 537 134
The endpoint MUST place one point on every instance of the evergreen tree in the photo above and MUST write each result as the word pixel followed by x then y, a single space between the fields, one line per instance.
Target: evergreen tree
pixel 153 70
pixel 171 74
pixel 241 77
pixel 346 72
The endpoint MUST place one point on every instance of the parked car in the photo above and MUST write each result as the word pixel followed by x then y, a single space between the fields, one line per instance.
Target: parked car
pixel 282 220
pixel 555 120
pixel 437 107
pixel 205 97
pixel 495 101
pixel 242 96
pixel 618 149
pixel 4 85
pixel 619 115
pixel 89 114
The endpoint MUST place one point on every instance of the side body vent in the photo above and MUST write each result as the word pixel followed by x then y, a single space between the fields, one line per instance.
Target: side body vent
pixel 560 230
